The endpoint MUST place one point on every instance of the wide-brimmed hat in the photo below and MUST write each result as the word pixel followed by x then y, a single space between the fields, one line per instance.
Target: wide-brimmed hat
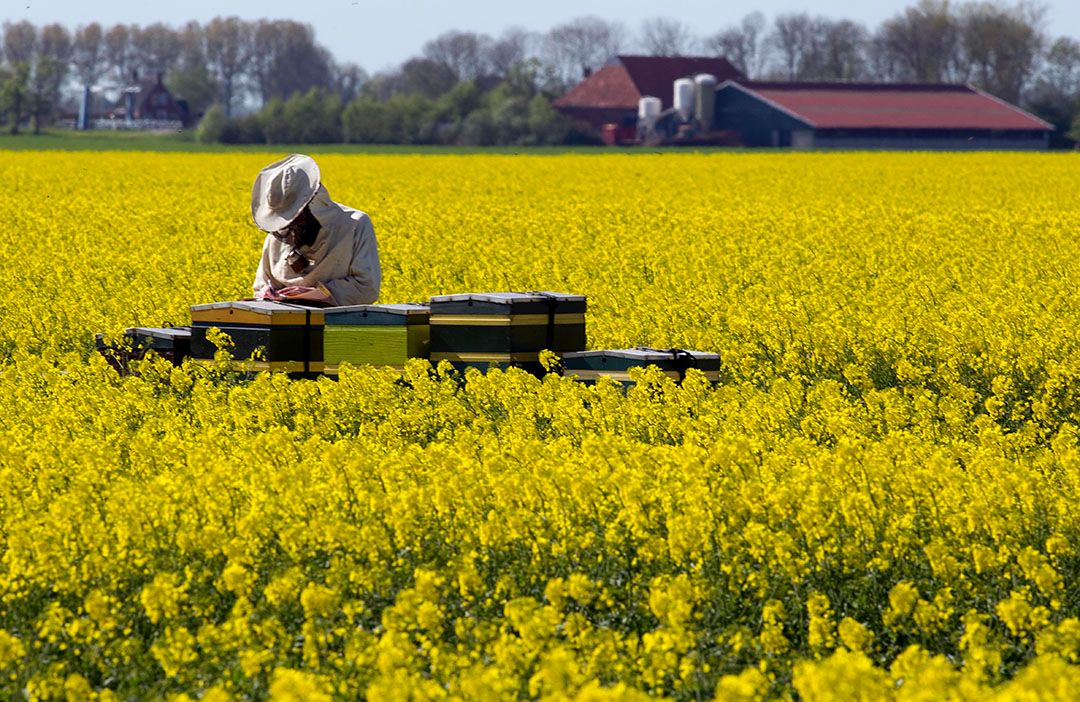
pixel 282 190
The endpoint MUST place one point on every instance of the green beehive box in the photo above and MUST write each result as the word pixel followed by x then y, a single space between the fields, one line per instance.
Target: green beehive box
pixel 289 337
pixel 379 335
pixel 590 366
pixel 505 329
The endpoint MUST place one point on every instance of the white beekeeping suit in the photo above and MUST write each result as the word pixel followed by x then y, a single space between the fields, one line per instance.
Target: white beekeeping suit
pixel 343 258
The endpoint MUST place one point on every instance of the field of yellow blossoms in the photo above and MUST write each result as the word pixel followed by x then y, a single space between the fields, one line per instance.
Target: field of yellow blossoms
pixel 881 500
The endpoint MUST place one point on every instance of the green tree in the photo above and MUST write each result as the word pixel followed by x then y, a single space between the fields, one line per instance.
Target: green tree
pixel 1074 133
pixel 314 117
pixel 195 86
pixel 212 126
pixel 15 95
pixel 364 121
pixel 44 90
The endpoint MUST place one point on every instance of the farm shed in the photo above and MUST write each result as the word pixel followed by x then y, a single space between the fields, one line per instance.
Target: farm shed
pixel 611 94
pixel 875 116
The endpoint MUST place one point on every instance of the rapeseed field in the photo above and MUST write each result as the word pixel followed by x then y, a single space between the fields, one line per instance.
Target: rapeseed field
pixel 879 501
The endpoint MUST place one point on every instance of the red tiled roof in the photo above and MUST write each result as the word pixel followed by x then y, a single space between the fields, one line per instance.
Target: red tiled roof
pixel 623 81
pixel 889 106
pixel 609 87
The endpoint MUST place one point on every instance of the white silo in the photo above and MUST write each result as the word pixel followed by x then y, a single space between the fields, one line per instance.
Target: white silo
pixel 705 100
pixel 648 110
pixel 684 98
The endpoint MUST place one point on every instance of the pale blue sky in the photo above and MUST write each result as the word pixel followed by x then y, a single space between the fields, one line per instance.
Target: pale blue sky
pixel 379 34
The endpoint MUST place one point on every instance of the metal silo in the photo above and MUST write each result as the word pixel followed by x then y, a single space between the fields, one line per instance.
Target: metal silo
pixel 684 98
pixel 705 100
pixel 648 111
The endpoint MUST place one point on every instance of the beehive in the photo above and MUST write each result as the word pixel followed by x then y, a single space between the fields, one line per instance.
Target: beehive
pixel 590 366
pixel 171 343
pixel 379 335
pixel 287 337
pixel 505 329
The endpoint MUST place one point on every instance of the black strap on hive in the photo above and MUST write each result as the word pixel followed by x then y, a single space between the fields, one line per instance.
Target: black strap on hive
pixel 682 360
pixel 551 302
pixel 307 340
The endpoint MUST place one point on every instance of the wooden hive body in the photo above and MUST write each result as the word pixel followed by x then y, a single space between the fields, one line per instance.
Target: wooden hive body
pixel 505 329
pixel 288 337
pixel 590 366
pixel 378 335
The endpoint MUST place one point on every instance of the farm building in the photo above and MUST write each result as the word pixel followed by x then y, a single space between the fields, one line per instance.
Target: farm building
pixel 141 104
pixel 152 100
pixel 874 116
pixel 610 95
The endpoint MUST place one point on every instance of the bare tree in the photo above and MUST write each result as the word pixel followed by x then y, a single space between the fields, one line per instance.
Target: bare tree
pixel 55 42
pixel 1000 46
pixel 1055 95
pixel 349 78
pixel 921 44
pixel 512 48
pixel 575 49
pixel 50 69
pixel 157 48
pixel 842 52
pixel 288 60
pixel 1061 68
pixel 20 42
pixel 661 36
pixel 426 77
pixel 88 53
pixel 119 52
pixel 228 48
pixel 463 53
pixel 742 44
pixel 191 80
pixel 796 39
pixel 192 39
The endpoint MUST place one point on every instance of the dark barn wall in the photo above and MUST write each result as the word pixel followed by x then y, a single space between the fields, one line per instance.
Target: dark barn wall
pixel 599 116
pixel 759 123
pixel 931 139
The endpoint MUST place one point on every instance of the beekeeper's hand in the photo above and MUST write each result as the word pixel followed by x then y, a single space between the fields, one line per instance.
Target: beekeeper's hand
pixel 299 292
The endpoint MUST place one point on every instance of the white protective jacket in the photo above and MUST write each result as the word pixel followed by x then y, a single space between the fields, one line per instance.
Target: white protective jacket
pixel 344 256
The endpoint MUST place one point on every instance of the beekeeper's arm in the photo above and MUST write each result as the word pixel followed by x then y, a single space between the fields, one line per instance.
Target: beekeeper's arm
pixel 361 285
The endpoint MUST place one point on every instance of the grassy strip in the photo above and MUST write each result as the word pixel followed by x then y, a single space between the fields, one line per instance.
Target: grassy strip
pixel 68 140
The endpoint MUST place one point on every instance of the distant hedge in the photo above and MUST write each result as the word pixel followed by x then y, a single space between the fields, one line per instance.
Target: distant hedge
pixel 464 116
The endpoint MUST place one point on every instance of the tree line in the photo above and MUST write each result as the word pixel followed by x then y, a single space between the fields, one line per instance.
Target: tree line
pixel 470 87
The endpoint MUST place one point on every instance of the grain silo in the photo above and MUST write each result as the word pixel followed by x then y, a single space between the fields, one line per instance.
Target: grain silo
pixel 705 100
pixel 684 98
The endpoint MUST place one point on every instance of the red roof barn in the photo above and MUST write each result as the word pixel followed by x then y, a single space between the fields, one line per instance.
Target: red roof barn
pixel 875 115
pixel 611 94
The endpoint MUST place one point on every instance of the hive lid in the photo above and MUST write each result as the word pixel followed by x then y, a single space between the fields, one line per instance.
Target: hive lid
pixel 507 298
pixel 256 306
pixel 405 308
pixel 171 333
pixel 255 312
pixel 644 354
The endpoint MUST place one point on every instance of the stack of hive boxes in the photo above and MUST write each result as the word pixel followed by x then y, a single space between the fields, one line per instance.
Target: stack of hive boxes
pixel 278 336
pixel 505 329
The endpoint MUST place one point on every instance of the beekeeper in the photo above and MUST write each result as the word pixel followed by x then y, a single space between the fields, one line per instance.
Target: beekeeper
pixel 315 250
